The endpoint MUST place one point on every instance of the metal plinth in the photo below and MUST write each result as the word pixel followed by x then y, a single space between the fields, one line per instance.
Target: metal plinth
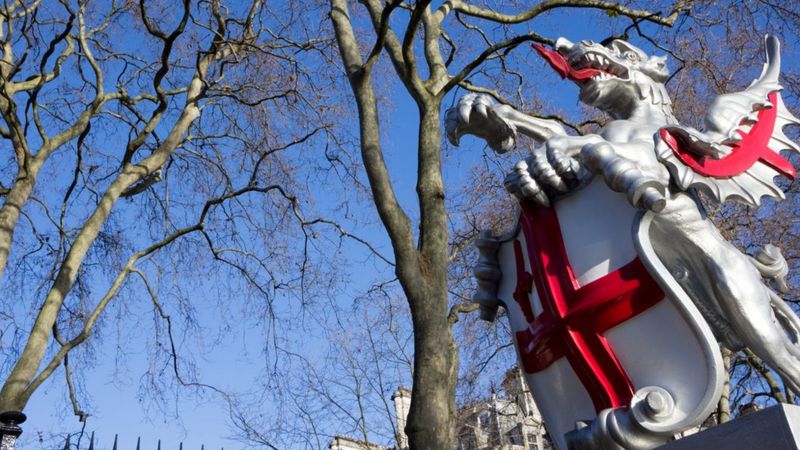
pixel 774 428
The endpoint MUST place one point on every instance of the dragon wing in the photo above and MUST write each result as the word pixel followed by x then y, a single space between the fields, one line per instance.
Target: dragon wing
pixel 737 154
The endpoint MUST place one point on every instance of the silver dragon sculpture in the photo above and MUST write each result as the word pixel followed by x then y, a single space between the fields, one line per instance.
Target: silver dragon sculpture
pixel 659 164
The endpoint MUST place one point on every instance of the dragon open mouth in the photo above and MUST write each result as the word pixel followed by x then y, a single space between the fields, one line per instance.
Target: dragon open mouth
pixel 583 68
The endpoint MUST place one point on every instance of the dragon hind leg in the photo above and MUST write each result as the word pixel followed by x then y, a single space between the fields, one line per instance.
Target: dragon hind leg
pixel 729 283
pixel 764 325
pixel 788 320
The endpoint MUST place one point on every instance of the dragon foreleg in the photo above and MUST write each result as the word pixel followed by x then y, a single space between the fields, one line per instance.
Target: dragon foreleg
pixel 623 175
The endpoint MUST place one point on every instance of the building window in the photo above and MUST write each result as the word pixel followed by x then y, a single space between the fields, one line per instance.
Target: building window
pixel 484 420
pixel 515 435
pixel 532 442
pixel 467 443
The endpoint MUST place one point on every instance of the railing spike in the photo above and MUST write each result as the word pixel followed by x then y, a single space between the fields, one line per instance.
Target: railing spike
pixel 115 442
pixel 66 444
pixel 91 442
pixel 139 443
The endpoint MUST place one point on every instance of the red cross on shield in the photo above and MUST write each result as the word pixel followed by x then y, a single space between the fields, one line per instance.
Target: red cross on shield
pixel 596 316
pixel 575 317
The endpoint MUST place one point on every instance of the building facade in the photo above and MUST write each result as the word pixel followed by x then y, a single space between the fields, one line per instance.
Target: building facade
pixel 508 420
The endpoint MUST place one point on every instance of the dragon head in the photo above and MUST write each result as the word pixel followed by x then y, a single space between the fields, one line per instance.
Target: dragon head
pixel 613 77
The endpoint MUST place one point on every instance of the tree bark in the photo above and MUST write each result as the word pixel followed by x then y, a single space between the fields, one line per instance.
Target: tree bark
pixel 422 268
pixel 9 214
pixel 432 415
pixel 431 418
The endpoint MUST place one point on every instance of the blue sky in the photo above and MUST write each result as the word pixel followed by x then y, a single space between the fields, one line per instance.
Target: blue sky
pixel 116 402
pixel 237 361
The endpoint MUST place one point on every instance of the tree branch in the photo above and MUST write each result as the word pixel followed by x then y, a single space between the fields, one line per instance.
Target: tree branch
pixel 507 45
pixel 461 308
pixel 488 14
pixel 392 215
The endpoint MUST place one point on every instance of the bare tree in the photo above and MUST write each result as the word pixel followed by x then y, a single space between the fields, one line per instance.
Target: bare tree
pixel 151 139
pixel 421 249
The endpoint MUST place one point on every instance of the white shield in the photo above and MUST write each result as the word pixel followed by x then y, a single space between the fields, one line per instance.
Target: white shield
pixel 605 317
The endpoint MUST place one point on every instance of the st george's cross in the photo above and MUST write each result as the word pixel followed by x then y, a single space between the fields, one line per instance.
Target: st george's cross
pixel 575 317
pixel 615 283
pixel 594 315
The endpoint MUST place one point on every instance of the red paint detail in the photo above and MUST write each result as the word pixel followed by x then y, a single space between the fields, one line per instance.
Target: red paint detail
pixel 575 317
pixel 524 283
pixel 561 65
pixel 753 147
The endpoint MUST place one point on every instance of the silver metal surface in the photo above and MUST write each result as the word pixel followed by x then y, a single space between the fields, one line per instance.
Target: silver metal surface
pixel 729 116
pixel 642 425
pixel 487 273
pixel 682 249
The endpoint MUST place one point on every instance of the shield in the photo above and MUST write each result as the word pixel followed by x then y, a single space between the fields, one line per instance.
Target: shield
pixel 596 317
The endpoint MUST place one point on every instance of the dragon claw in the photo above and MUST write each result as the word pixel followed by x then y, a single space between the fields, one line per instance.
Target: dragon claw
pixel 479 115
pixel 520 184
pixel 451 119
pixel 546 172
pixel 480 108
pixel 464 111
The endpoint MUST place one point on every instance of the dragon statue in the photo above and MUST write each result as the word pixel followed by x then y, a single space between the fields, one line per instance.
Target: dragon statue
pixel 659 166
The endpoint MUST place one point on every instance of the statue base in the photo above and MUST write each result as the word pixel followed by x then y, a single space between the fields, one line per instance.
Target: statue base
pixel 774 428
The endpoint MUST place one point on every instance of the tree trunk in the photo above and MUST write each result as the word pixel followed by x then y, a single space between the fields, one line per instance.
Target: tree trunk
pixel 14 394
pixel 16 198
pixel 16 389
pixel 431 421
pixel 431 418
pixel 421 269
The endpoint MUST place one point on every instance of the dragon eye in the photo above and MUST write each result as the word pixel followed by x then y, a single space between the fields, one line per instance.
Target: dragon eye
pixel 631 56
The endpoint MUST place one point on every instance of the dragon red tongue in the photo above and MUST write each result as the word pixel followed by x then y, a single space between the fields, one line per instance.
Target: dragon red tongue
pixel 560 64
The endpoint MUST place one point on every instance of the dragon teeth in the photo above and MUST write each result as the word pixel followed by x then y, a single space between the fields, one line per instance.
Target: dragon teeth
pixel 601 76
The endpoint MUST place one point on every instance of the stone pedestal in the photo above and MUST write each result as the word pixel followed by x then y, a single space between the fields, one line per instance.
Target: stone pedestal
pixel 774 428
